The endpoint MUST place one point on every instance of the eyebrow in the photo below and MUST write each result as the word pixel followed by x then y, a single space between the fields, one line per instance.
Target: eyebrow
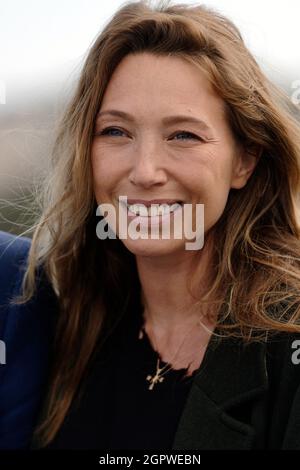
pixel 166 120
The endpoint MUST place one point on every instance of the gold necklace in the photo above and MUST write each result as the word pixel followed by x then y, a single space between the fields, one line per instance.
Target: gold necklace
pixel 157 377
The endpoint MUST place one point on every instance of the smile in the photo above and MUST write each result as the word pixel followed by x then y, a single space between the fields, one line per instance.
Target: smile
pixel 153 210
pixel 151 215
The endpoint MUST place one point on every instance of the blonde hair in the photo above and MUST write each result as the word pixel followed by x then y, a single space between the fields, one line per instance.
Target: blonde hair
pixel 256 280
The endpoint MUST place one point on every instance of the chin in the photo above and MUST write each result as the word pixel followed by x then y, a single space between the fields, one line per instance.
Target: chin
pixel 150 247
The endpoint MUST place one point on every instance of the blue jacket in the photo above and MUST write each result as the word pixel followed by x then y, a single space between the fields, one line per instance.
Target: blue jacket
pixel 26 332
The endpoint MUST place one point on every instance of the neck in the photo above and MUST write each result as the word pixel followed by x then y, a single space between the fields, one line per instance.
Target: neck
pixel 167 302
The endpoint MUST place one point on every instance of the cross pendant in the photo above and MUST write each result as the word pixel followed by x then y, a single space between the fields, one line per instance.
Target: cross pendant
pixel 154 379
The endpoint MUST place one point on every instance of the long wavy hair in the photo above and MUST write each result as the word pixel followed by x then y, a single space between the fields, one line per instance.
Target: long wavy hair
pixel 255 259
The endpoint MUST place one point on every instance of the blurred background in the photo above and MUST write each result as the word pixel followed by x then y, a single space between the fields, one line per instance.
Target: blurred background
pixel 42 49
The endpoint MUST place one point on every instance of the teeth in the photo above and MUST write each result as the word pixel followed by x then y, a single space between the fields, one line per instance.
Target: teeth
pixel 153 210
pixel 138 209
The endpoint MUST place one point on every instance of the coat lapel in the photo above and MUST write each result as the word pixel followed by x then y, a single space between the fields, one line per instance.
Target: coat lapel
pixel 231 374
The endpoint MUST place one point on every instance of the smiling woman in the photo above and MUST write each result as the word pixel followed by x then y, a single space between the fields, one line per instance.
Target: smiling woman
pixel 145 157
pixel 157 346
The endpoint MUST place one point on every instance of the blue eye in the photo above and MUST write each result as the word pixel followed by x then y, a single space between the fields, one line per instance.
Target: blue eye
pixel 193 136
pixel 107 130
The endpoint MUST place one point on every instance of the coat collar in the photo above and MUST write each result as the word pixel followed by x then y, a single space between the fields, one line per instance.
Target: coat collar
pixel 232 373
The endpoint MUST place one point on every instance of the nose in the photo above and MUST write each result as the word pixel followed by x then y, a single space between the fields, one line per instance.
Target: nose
pixel 147 167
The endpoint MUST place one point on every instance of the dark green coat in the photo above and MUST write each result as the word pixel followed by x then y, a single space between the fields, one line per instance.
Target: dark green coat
pixel 244 397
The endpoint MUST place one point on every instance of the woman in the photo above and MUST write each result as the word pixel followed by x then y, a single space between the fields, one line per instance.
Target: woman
pixel 157 345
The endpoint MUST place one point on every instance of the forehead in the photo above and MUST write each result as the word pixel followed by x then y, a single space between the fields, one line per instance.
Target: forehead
pixel 145 83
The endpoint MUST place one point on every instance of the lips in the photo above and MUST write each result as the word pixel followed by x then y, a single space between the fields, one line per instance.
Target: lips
pixel 148 203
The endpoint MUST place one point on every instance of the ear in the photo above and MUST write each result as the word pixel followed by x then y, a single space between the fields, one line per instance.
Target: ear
pixel 244 165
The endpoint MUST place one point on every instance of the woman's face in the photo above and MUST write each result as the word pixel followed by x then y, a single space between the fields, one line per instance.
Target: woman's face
pixel 146 156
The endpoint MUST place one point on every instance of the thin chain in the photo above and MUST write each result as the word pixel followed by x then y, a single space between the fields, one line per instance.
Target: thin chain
pixel 160 372
pixel 169 363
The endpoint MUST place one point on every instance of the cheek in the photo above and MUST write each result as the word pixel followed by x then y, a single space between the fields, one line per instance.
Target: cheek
pixel 208 177
pixel 99 164
pixel 102 175
pixel 106 163
pixel 209 184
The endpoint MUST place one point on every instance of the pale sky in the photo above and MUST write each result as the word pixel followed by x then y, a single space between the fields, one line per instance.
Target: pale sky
pixel 43 41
